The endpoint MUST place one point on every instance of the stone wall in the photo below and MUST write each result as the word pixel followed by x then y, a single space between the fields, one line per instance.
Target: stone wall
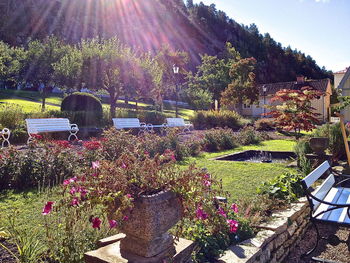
pixel 275 240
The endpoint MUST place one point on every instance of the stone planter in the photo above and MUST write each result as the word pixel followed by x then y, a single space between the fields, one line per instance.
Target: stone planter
pixel 319 144
pixel 147 226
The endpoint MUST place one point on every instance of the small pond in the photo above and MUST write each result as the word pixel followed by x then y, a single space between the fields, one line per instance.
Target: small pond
pixel 254 156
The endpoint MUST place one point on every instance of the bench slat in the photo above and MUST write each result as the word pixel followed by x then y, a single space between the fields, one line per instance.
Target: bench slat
pixel 323 189
pixel 315 174
pixel 48 125
pixel 336 196
pixel 121 123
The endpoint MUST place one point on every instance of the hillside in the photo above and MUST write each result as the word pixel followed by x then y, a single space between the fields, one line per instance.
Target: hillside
pixel 146 25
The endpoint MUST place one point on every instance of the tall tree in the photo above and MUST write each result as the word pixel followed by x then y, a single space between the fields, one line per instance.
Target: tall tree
pixel 243 88
pixel 11 59
pixel 38 67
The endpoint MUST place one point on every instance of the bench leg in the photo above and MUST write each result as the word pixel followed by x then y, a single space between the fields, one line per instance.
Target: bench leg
pixel 5 134
pixel 317 240
pixel 74 135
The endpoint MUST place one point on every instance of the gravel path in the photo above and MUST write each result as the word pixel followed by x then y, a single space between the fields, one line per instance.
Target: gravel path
pixel 337 249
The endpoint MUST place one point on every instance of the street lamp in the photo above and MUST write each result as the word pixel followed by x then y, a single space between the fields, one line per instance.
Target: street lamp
pixel 176 72
pixel 264 94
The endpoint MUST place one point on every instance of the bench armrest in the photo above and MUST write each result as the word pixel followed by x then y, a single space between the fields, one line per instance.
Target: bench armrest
pixel 344 179
pixel 74 127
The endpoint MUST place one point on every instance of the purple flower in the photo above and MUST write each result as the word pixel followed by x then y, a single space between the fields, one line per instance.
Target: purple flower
pixel 70 180
pixel 112 223
pixel 75 201
pixel 73 190
pixel 47 208
pixel 125 218
pixel 95 165
pixel 233 224
pixel 222 212
pixel 123 165
pixel 96 222
pixel 234 208
pixel 129 196
pixel 200 214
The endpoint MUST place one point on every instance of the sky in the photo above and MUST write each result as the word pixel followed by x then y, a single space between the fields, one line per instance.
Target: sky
pixel 319 28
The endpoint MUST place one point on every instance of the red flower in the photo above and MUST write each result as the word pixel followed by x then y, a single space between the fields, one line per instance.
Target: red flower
pixel 93 145
pixel 47 208
pixel 37 136
pixel 96 222
pixel 63 144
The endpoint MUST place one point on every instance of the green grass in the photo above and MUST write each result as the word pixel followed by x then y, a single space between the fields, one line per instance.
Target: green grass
pixel 241 179
pixel 32 102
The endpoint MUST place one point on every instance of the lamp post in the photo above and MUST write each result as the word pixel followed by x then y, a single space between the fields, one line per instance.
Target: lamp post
pixel 176 72
pixel 264 95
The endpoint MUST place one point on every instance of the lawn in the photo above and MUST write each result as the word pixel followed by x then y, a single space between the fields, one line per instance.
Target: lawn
pixel 242 178
pixel 31 101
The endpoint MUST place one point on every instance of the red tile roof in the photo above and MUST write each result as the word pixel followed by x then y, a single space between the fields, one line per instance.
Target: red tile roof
pixel 341 71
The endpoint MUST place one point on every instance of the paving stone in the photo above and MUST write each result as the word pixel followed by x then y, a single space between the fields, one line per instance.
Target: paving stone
pixel 240 254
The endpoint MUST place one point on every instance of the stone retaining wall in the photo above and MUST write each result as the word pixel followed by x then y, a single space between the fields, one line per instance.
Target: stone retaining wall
pixel 276 238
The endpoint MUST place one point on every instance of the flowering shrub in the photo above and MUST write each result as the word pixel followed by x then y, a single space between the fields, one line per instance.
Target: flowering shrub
pixel 248 135
pixel 42 166
pixel 103 195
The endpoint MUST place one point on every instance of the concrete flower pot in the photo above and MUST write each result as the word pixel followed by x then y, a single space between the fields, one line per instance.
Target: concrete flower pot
pixel 319 144
pixel 148 223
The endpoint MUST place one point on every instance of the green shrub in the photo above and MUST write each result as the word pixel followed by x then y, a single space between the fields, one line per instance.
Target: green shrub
pixel 264 124
pixel 248 135
pixel 219 139
pixel 11 116
pixel 214 119
pixel 83 109
pixel 153 117
pixel 284 187
pixel 81 101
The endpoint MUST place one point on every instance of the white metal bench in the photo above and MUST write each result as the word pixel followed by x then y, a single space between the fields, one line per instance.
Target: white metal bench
pixel 5 134
pixel 36 126
pixel 178 122
pixel 131 123
pixel 330 202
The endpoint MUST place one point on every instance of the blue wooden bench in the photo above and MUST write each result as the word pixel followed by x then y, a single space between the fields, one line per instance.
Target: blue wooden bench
pixel 329 202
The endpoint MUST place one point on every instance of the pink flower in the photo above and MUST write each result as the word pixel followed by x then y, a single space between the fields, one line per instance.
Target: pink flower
pixel 47 208
pixel 125 218
pixel 70 180
pixel 200 214
pixel 123 165
pixel 222 212
pixel 94 175
pixel 73 190
pixel 173 157
pixel 112 223
pixel 206 176
pixel 96 222
pixel 233 225
pixel 129 196
pixel 75 201
pixel 207 183
pixel 95 165
pixel 234 208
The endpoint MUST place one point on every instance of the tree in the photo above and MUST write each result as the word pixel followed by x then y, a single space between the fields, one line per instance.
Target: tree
pixel 67 71
pixel 11 59
pixel 166 58
pixel 295 111
pixel 213 74
pixel 38 67
pixel 243 88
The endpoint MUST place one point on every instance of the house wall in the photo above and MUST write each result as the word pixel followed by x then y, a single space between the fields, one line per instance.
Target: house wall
pixel 346 92
pixel 337 78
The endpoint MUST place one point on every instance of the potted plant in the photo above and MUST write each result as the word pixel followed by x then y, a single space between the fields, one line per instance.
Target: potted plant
pixel 144 197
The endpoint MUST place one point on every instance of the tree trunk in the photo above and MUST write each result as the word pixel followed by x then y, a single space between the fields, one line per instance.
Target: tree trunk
pixel 137 106
pixel 43 96
pixel 113 107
